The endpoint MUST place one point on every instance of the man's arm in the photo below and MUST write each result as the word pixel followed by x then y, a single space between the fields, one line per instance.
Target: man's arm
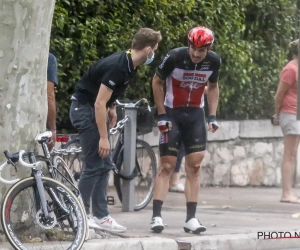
pixel 103 97
pixel 51 118
pixel 158 92
pixel 51 82
pixel 212 97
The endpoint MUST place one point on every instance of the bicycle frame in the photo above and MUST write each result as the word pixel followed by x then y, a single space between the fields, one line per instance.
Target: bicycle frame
pixel 53 169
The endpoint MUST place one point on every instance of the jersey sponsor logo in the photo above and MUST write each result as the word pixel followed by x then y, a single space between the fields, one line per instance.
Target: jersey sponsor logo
pixel 164 61
pixel 194 77
pixel 204 68
pixel 191 85
pixel 112 83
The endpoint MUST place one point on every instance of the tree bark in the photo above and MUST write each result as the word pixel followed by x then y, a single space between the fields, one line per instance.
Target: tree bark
pixel 25 27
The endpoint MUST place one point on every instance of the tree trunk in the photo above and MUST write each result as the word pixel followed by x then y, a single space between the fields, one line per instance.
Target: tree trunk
pixel 24 44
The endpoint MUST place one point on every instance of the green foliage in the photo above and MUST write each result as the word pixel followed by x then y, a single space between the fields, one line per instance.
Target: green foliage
pixel 251 36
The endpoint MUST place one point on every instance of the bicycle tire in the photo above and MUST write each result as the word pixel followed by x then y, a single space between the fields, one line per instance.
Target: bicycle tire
pixel 75 160
pixel 139 203
pixel 35 240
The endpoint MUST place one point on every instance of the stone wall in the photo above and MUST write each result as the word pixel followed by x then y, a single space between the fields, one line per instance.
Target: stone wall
pixel 240 153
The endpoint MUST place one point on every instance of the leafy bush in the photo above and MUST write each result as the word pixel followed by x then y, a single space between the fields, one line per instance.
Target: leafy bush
pixel 251 36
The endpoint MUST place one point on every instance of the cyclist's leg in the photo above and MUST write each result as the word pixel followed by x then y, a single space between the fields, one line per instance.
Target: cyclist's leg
pixel 194 138
pixel 175 184
pixel 168 147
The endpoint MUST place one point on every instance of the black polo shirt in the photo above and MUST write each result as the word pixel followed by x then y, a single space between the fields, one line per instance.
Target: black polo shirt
pixel 114 71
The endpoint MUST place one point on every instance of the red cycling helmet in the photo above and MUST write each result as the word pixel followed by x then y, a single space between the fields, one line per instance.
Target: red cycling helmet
pixel 201 36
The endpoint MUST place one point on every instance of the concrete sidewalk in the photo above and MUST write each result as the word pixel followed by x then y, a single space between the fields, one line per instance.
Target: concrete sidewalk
pixel 232 216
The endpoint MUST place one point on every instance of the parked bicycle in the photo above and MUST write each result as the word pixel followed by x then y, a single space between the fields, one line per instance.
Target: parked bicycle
pixel 56 167
pixel 38 212
pixel 145 165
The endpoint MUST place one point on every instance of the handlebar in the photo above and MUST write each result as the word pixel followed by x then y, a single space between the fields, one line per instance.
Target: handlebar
pixel 122 122
pixel 22 162
pixel 133 105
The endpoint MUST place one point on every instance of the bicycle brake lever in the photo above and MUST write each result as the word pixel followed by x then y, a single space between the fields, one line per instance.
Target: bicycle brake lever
pixel 13 164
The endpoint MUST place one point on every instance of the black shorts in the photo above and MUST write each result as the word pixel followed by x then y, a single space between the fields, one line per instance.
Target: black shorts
pixel 188 127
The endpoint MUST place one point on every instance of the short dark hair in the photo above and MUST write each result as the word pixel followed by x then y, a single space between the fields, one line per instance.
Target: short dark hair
pixel 145 37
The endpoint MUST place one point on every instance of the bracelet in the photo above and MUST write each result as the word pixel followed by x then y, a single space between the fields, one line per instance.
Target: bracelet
pixel 53 131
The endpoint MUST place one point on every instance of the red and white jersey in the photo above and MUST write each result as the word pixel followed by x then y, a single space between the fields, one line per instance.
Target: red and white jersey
pixel 185 80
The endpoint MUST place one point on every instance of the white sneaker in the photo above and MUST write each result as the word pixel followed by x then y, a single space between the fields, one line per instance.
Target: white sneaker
pixel 194 226
pixel 157 224
pixel 108 223
pixel 91 222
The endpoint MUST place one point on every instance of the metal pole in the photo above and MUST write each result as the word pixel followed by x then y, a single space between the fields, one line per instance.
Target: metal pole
pixel 128 197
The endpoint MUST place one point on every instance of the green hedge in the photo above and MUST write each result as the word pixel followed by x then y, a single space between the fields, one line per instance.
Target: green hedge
pixel 251 36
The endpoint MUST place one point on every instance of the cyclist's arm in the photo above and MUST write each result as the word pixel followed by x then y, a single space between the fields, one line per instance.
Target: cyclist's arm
pixel 158 92
pixel 103 97
pixel 162 72
pixel 212 97
pixel 213 86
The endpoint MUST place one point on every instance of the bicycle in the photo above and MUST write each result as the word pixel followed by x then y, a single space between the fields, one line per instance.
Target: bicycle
pixel 146 165
pixel 38 211
pixel 56 167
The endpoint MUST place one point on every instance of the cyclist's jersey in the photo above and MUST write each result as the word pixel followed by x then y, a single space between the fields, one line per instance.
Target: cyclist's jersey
pixel 185 80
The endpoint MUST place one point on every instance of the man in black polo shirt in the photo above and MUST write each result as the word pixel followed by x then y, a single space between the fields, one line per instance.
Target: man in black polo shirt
pixel 92 102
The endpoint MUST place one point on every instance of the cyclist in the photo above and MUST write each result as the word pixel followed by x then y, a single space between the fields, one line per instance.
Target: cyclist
pixel 92 102
pixel 186 71
pixel 52 82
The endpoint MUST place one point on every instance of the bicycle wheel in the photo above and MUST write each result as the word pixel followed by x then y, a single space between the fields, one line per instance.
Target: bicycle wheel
pixel 144 182
pixel 74 159
pixel 25 225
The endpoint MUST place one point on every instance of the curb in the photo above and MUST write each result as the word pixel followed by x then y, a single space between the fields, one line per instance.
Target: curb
pixel 153 243
pixel 240 242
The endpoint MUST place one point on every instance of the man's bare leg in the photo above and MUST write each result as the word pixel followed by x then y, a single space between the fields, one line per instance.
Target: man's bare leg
pixel 161 187
pixel 192 187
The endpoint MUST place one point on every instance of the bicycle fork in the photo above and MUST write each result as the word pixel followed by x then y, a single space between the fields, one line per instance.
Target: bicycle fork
pixel 40 187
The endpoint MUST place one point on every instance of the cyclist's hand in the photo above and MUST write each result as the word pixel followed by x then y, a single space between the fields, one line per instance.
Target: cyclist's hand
pixel 52 141
pixel 104 147
pixel 164 124
pixel 112 115
pixel 212 123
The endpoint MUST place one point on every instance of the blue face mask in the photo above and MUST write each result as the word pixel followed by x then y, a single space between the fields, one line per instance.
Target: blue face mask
pixel 149 60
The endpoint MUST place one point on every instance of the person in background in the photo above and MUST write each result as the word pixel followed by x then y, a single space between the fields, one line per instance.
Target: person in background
pixel 52 81
pixel 285 116
pixel 175 184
